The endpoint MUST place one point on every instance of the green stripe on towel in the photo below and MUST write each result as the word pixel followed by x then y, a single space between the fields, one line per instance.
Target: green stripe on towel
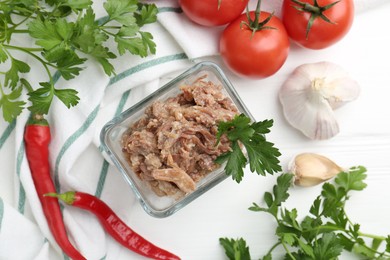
pixel 1 212
pixel 104 170
pixel 146 65
pixel 102 179
pixel 22 192
pixel 7 132
pixel 68 143
pixel 170 9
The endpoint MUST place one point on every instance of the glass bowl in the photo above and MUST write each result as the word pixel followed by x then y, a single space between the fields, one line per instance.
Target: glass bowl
pixel 112 135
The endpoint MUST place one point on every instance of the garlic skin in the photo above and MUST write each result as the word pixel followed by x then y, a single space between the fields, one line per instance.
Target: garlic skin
pixel 311 93
pixel 311 169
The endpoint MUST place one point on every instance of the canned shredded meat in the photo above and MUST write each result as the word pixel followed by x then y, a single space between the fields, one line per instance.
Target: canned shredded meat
pixel 173 145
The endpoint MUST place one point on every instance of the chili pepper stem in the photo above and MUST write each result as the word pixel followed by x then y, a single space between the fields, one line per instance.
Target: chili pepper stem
pixel 67 197
pixel 37 119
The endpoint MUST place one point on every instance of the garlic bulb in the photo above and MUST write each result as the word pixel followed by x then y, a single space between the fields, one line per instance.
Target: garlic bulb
pixel 311 169
pixel 310 95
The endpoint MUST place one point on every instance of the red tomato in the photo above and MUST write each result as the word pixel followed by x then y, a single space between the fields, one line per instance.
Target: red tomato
pixel 257 55
pixel 207 13
pixel 322 33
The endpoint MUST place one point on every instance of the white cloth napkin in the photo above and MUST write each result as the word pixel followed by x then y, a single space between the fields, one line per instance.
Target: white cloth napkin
pixel 75 154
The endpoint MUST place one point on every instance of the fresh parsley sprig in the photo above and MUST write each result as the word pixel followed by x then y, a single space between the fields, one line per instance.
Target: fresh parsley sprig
pixel 66 33
pixel 261 154
pixel 325 232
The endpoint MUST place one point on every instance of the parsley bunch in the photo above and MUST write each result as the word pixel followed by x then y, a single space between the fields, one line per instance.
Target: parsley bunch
pixel 66 33
pixel 325 232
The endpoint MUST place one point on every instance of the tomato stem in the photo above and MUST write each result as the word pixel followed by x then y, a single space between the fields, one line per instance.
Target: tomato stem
pixel 254 25
pixel 315 10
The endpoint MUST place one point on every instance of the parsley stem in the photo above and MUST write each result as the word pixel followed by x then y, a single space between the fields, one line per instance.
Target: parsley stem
pixel 110 27
pixel 108 32
pixel 26 50
pixel 273 247
pixel 22 48
pixel 326 227
pixel 288 251
pixel 372 236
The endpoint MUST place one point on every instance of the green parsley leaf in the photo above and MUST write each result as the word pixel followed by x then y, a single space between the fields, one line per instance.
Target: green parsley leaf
pixel 45 32
pixel 289 238
pixel 116 9
pixel 134 45
pixel 56 53
pixel 3 54
pixel 327 247
pixel 107 66
pixel 147 39
pixel 89 38
pixel 68 65
pixel 12 75
pixel 147 14
pixel 315 209
pixel 280 190
pixel 235 249
pixel 352 180
pixel 278 196
pixel 67 96
pixel 41 98
pixel 262 155
pixel 11 106
pixel 235 162
pixel 307 249
pixel 236 128
pixel 64 28
pixel 128 31
pixel 290 218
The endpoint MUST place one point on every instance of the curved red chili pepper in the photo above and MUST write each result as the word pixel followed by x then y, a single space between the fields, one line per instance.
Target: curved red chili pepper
pixel 114 225
pixel 37 138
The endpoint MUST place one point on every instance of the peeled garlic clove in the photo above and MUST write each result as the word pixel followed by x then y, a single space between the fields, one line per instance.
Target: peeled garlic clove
pixel 311 169
pixel 310 95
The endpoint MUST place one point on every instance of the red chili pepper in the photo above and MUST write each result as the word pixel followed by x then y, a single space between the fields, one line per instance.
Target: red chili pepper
pixel 37 138
pixel 114 225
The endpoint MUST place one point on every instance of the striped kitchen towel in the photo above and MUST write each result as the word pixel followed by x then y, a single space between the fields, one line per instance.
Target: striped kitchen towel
pixel 75 153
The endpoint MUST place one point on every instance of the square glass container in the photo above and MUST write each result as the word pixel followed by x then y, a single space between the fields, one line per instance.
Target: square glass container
pixel 112 132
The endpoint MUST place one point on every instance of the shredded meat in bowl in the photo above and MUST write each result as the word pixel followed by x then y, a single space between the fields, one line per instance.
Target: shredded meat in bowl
pixel 173 146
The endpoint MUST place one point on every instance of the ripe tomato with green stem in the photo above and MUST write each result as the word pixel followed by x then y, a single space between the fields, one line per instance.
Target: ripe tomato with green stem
pixel 255 45
pixel 317 24
pixel 213 12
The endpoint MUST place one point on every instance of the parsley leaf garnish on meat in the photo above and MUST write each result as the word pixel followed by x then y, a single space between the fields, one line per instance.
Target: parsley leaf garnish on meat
pixel 65 34
pixel 326 231
pixel 261 154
